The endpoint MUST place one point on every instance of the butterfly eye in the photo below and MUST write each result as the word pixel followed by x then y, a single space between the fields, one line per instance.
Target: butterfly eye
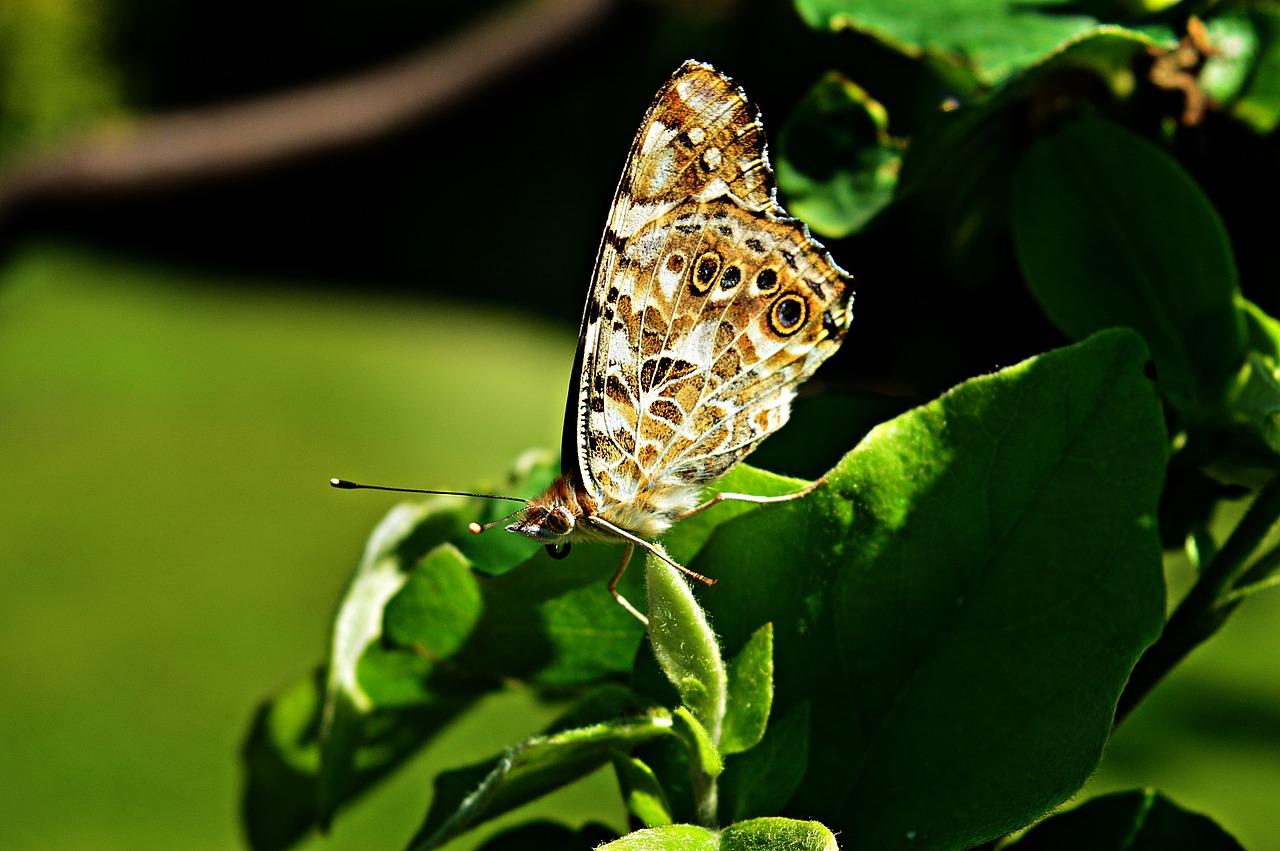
pixel 559 552
pixel 788 314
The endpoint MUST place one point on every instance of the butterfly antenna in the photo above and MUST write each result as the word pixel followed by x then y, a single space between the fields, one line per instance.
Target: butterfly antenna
pixel 344 484
pixel 475 528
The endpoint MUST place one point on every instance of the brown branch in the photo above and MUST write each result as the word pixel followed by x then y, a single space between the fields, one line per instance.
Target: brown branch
pixel 205 143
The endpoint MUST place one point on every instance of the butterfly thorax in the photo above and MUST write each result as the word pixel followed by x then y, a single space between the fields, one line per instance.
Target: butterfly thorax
pixel 567 513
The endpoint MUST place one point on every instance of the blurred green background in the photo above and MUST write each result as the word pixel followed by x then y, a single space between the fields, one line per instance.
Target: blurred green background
pixel 183 364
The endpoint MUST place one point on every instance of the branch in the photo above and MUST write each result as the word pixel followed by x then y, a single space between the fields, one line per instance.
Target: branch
pixel 207 143
pixel 1209 602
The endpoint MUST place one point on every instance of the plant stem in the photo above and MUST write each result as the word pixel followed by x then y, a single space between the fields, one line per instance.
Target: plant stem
pixel 706 797
pixel 1204 610
pixel 1261 568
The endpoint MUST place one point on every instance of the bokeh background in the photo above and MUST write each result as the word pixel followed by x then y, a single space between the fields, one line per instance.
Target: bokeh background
pixel 245 247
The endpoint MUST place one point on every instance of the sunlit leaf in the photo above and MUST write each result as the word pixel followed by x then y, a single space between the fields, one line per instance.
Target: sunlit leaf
pixel 771 834
pixel 963 602
pixel 997 38
pixel 642 791
pixel 750 693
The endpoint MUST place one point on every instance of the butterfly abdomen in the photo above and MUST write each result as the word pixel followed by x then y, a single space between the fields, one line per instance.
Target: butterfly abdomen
pixel 653 508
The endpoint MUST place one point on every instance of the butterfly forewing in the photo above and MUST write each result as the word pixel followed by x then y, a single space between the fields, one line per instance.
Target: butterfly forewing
pixel 708 305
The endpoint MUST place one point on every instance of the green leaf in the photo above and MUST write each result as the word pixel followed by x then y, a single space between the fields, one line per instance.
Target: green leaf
pixel 1142 820
pixel 497 551
pixel 1110 231
pixel 554 623
pixel 958 169
pixel 403 536
pixel 763 780
pixel 1106 55
pixel 996 38
pixel 412 602
pixel 685 646
pixel 281 756
pixel 1255 404
pixel 642 791
pixel 687 537
pixel 750 693
pixel 698 740
pixel 1254 51
pixel 772 834
pixel 964 600
pixel 438 606
pixel 674 767
pixel 1255 399
pixel 466 797
pixel 837 163
pixel 1263 331
pixel 1235 40
pixel 673 837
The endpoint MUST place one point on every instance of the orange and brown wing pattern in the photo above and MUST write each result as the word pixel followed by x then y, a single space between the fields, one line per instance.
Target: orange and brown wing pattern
pixel 769 316
pixel 701 138
pixel 709 305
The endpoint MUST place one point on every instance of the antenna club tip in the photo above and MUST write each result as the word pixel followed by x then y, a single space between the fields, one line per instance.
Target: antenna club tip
pixel 343 483
pixel 474 528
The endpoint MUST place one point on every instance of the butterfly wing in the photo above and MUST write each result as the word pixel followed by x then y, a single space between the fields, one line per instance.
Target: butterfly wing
pixel 708 305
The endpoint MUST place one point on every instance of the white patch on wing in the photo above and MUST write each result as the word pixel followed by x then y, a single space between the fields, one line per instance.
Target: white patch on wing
pixel 638 215
pixel 644 249
pixel 619 348
pixel 713 190
pixel 711 156
pixel 696 135
pixel 625 281
pixel 697 96
pixel 669 281
pixel 664 171
pixel 698 345
pixel 658 135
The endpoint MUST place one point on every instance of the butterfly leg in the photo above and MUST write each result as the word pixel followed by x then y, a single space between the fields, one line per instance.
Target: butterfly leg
pixel 613 585
pixel 746 497
pixel 654 549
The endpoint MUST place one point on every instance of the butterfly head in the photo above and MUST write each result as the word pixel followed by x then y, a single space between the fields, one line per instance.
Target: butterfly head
pixel 553 519
pixel 546 524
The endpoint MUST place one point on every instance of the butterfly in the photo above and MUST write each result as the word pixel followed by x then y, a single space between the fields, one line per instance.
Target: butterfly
pixel 708 306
